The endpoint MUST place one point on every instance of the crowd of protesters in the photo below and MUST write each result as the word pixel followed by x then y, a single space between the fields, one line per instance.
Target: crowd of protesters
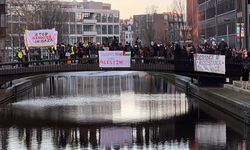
pixel 79 51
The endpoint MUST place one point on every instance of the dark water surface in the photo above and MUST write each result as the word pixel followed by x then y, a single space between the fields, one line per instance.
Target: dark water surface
pixel 115 110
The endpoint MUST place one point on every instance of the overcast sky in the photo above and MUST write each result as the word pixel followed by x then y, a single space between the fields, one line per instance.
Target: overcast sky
pixel 132 7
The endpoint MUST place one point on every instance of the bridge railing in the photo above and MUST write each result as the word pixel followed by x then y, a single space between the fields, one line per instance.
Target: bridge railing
pixel 134 60
pixel 233 68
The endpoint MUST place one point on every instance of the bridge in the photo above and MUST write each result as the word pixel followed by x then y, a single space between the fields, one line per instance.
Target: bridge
pixel 12 71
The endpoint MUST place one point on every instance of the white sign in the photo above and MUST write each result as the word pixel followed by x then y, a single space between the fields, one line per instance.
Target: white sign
pixel 40 38
pixel 114 59
pixel 210 63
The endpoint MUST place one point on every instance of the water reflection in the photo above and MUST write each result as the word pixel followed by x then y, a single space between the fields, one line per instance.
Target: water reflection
pixel 111 110
pixel 114 98
pixel 164 135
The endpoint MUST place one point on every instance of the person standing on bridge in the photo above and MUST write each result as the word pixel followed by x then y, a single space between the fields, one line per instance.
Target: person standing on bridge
pixel 222 47
pixel 245 71
pixel 19 57
pixel 72 53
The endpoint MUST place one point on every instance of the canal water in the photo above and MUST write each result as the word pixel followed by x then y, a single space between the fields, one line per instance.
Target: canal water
pixel 114 110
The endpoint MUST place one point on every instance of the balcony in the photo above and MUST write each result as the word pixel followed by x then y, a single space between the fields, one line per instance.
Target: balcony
pixel 89 21
pixel 89 33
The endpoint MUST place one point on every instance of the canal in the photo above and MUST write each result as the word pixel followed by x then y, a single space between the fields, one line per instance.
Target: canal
pixel 115 110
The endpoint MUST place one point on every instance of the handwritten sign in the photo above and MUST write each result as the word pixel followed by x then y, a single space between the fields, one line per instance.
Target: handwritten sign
pixel 40 38
pixel 114 59
pixel 210 63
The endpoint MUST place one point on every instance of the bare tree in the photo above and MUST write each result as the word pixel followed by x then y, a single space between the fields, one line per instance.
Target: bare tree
pixel 179 6
pixel 37 14
pixel 178 25
pixel 151 25
pixel 152 9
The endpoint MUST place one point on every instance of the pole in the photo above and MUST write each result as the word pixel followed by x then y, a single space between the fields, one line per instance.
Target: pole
pixel 228 36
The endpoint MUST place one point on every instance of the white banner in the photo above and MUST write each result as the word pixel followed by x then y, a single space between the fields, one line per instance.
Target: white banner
pixel 210 63
pixel 40 38
pixel 114 59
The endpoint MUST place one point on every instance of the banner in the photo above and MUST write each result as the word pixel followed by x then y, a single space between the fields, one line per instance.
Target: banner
pixel 40 38
pixel 114 59
pixel 210 63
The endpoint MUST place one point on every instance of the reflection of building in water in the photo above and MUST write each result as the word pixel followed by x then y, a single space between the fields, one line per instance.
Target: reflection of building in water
pixel 70 85
pixel 118 137
pixel 90 138
pixel 174 133
pixel 87 85
pixel 211 134
pixel 161 136
pixel 142 107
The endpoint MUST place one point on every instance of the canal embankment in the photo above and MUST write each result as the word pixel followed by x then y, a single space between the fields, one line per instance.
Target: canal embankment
pixel 234 102
pixel 19 86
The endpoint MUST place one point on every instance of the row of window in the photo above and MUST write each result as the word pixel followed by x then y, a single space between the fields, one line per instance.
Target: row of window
pixel 79 17
pixel 221 30
pixel 223 6
pixel 100 29
pixel 111 18
pixel 107 29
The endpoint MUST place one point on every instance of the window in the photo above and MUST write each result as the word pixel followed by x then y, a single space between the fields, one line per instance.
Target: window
pixel 79 29
pixel 98 17
pixel 104 29
pixel 116 29
pixel 66 29
pixel 224 6
pixel 110 18
pixel 15 18
pixel 86 15
pixel 104 18
pixel 78 17
pixel 98 29
pixel 72 17
pixel 87 28
pixel 72 29
pixel 116 18
pixel 110 29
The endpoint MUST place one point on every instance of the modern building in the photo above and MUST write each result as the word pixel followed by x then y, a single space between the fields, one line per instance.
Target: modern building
pixel 127 31
pixel 3 52
pixel 85 21
pixel 90 21
pixel 223 19
pixel 164 28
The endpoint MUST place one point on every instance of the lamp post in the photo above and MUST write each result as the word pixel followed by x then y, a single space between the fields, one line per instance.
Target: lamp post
pixel 227 20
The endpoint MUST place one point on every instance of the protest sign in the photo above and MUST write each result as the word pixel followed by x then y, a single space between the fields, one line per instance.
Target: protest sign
pixel 210 63
pixel 114 59
pixel 40 38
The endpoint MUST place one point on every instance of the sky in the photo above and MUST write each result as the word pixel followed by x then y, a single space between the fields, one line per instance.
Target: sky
pixel 128 8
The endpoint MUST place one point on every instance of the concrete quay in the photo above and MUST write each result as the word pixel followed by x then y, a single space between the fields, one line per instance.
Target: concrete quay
pixel 9 95
pixel 229 99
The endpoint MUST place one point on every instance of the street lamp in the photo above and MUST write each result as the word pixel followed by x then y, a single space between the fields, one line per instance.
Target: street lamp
pixel 227 20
